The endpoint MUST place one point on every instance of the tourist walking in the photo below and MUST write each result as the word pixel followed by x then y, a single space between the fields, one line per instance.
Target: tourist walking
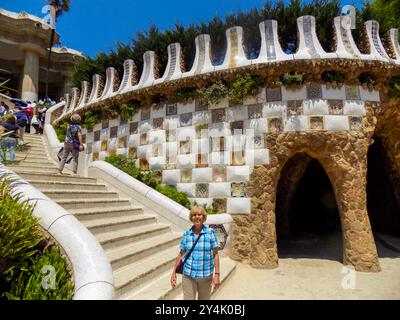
pixel 9 141
pixel 29 114
pixel 22 120
pixel 199 254
pixel 72 144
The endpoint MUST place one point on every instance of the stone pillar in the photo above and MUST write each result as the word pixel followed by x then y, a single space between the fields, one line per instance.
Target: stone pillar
pixel 30 77
pixel 348 173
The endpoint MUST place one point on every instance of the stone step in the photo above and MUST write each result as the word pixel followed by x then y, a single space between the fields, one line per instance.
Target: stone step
pixel 34 152
pixel 110 240
pixel 55 185
pixel 86 214
pixel 37 162
pixel 55 177
pixel 38 165
pixel 131 253
pixel 81 194
pixel 92 203
pixel 26 168
pixel 19 156
pixel 137 275
pixel 104 225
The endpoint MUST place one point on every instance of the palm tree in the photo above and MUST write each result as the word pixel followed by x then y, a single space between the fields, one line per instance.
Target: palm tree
pixel 60 6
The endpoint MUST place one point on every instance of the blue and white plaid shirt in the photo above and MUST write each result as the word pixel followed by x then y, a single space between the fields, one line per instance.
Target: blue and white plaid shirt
pixel 200 264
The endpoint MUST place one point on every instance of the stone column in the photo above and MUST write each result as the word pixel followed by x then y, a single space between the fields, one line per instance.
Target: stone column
pixel 30 77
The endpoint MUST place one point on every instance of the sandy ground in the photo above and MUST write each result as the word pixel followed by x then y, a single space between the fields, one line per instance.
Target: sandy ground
pixel 311 269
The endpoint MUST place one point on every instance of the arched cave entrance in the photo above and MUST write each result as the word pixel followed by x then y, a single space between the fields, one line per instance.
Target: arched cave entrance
pixel 307 216
pixel 383 199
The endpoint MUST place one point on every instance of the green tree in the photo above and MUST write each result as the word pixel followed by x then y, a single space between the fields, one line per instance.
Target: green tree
pixel 387 12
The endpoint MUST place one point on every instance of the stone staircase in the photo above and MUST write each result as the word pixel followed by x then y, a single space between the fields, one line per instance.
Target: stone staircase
pixel 141 250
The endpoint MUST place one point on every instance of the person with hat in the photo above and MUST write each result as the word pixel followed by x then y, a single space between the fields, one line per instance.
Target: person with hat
pixel 73 144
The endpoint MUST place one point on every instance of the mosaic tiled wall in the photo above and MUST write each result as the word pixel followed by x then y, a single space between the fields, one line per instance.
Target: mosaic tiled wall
pixel 209 151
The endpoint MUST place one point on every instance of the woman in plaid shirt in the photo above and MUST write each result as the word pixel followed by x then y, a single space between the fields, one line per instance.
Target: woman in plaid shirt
pixel 199 268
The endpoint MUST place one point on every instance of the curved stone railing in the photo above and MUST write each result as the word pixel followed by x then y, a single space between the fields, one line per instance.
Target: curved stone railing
pixel 172 211
pixel 54 109
pixel 92 271
pixel 235 57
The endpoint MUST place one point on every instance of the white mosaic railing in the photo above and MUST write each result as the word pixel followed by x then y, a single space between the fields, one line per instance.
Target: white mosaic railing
pixel 270 51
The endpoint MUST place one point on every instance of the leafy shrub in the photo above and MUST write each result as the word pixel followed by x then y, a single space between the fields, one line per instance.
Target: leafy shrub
pixel 130 108
pixel 333 76
pixel 291 78
pixel 19 234
pixel 172 193
pixel 21 259
pixel 243 86
pixel 214 93
pixel 61 130
pixel 185 94
pixel 29 284
pixel 158 100
pixel 91 118
pixel 151 178
pixel 394 84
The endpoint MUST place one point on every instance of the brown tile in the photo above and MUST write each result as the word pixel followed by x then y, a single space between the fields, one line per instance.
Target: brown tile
pixel 132 153
pixel 158 123
pixel 294 108
pixel 96 136
pixel 122 142
pixel 218 115
pixel 113 132
pixel 186 175
pixel 219 173
pixel 219 205
pixel 275 125
pixel 202 160
pixel 95 156
pixel 103 146
pixel 238 158
pixel 133 127
pixel 274 94
pixel 316 123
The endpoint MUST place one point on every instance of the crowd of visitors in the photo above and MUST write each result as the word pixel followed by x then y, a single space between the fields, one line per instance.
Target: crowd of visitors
pixel 18 120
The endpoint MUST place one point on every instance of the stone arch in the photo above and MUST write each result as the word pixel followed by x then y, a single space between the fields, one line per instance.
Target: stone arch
pixel 343 155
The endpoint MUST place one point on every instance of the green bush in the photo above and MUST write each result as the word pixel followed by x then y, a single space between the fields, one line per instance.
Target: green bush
pixel 394 84
pixel 291 78
pixel 21 259
pixel 151 178
pixel 130 108
pixel 333 76
pixel 29 284
pixel 185 94
pixel 91 118
pixel 243 86
pixel 172 193
pixel 214 93
pixel 61 130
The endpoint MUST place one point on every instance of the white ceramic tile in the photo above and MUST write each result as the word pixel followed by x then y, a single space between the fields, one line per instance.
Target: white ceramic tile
pixel 236 113
pixel 201 146
pixel 171 122
pixel 145 151
pixel 102 155
pixel 171 177
pixel 294 94
pixel 113 143
pixel 89 137
pixel 296 123
pixel 219 158
pixel 145 126
pixel 189 188
pixel 220 129
pixel 185 161
pixel 201 117
pixel 256 157
pixel 186 108
pixel 123 151
pixel 238 142
pixel 238 205
pixel 157 112
pixel 113 122
pixel 219 189
pixel 315 107
pixel 123 130
pixel 96 146
pixel 274 109
pixel 333 94
pixel 185 133
pixel 134 140
pixel 202 175
pixel 254 99
pixel 156 136
pixel 223 103
pixel 354 108
pixel 258 125
pixel 157 163
pixel 336 123
pixel 238 173
pixel 367 95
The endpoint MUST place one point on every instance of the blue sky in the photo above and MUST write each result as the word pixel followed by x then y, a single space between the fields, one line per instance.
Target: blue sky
pixel 95 25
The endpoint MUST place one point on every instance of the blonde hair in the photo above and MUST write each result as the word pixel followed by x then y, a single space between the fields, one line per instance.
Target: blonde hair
pixel 196 209
pixel 75 118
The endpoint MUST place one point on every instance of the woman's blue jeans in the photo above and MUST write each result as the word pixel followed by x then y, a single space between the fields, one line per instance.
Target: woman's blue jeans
pixel 8 144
